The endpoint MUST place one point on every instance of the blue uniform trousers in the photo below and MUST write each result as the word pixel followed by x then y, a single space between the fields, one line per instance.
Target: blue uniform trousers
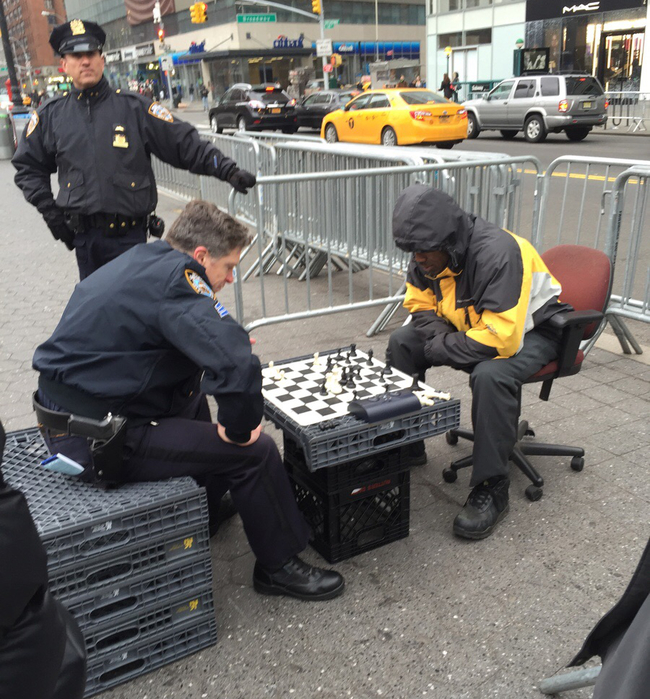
pixel 189 445
pixel 94 248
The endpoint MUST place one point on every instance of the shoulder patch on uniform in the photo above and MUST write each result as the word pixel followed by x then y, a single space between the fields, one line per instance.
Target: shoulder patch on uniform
pixel 220 310
pixel 156 109
pixel 198 284
pixel 33 123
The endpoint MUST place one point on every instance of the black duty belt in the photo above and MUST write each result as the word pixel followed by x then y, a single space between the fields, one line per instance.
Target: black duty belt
pixel 110 224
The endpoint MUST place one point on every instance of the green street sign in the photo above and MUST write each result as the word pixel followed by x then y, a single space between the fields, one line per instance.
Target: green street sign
pixel 256 19
pixel 331 23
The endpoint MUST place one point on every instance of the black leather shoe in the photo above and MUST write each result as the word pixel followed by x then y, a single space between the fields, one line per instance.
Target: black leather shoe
pixel 486 506
pixel 227 509
pixel 415 454
pixel 298 579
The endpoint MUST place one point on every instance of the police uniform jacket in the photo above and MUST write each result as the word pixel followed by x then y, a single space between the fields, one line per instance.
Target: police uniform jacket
pixel 142 334
pixel 494 290
pixel 101 142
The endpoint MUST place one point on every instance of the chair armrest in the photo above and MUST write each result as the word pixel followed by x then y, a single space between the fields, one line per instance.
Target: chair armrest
pixel 572 324
pixel 570 318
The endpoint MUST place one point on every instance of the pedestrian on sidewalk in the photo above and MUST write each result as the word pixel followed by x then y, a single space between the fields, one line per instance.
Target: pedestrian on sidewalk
pixel 100 141
pixel 204 97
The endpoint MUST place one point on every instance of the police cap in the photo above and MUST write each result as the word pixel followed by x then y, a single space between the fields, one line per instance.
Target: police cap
pixel 77 36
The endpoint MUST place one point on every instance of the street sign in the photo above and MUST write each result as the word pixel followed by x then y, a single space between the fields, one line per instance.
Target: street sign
pixel 256 19
pixel 323 48
pixel 328 67
pixel 331 23
pixel 167 63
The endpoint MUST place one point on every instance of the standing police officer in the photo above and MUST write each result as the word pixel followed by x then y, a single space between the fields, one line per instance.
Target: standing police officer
pixel 101 141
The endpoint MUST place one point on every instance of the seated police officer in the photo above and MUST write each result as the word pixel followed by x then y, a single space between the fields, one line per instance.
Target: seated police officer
pixel 479 299
pixel 101 141
pixel 145 338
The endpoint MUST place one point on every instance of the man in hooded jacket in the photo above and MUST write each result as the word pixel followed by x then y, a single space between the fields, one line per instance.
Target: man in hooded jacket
pixel 479 299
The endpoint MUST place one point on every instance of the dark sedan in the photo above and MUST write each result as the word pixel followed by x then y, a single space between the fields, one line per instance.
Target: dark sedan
pixel 247 107
pixel 312 109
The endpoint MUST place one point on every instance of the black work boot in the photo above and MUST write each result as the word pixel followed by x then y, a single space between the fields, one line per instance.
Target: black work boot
pixel 486 506
pixel 298 579
pixel 227 509
pixel 415 455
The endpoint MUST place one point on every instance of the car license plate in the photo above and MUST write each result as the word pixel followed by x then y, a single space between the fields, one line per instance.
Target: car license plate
pixel 586 105
pixel 275 111
pixel 444 118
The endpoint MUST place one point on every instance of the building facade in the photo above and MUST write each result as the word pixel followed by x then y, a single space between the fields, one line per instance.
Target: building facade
pixel 477 38
pixel 238 43
pixel 29 23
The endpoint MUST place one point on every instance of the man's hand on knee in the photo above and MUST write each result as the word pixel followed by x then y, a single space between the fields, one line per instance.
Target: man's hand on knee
pixel 255 435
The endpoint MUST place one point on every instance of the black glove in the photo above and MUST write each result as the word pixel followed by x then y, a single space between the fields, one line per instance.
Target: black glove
pixel 241 180
pixel 57 225
pixel 64 234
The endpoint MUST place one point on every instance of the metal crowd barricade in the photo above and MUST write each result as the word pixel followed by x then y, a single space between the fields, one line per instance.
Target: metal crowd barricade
pixel 631 292
pixel 618 224
pixel 628 110
pixel 347 215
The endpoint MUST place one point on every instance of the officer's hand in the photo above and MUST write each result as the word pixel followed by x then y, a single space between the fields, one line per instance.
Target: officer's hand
pixel 61 232
pixel 255 435
pixel 241 180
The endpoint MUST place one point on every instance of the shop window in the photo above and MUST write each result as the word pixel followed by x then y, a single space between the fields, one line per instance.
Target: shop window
pixel 478 36
pixel 454 39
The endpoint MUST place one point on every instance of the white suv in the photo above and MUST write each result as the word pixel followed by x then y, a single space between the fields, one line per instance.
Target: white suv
pixel 538 105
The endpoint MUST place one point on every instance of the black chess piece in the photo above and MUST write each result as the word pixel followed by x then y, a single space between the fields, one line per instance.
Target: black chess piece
pixel 353 350
pixel 350 382
pixel 388 369
pixel 355 395
pixel 416 382
pixel 323 390
pixel 329 362
pixel 370 354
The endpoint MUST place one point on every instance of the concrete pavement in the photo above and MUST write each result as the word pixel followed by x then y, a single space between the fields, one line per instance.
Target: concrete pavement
pixel 427 616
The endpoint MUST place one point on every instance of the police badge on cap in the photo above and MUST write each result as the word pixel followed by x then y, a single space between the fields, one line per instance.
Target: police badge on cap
pixel 77 36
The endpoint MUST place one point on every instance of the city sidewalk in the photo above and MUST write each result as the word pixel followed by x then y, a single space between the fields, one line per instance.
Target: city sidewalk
pixel 427 616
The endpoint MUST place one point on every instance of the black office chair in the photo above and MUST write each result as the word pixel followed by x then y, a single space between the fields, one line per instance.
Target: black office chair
pixel 586 276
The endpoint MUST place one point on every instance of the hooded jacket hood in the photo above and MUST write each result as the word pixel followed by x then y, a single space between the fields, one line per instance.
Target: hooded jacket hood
pixel 426 219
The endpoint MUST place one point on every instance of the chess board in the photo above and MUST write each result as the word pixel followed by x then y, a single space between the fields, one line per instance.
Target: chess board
pixel 298 394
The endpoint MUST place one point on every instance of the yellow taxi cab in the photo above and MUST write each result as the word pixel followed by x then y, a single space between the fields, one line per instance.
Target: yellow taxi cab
pixel 397 116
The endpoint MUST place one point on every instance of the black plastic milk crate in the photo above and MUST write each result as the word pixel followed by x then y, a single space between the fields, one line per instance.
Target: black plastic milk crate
pixel 122 601
pixel 349 474
pixel 357 518
pixel 148 622
pixel 119 568
pixel 142 657
pixel 77 520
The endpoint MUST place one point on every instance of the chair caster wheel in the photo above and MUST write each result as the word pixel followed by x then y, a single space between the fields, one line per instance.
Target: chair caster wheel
pixel 533 493
pixel 578 463
pixel 529 433
pixel 449 475
pixel 452 439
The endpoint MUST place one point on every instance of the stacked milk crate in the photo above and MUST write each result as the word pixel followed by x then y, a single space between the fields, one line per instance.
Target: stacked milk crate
pixel 131 564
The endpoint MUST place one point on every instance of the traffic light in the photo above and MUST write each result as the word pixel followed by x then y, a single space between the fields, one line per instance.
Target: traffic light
pixel 161 35
pixel 315 7
pixel 336 60
pixel 199 13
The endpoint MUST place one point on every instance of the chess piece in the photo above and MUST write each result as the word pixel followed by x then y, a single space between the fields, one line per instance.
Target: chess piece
pixel 416 382
pixel 323 388
pixel 353 350
pixel 350 382
pixel 388 369
pixel 370 355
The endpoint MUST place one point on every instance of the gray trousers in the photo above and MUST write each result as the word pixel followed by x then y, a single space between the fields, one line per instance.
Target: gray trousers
pixel 495 385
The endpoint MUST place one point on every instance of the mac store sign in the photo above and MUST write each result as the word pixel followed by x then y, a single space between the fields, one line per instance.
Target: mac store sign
pixel 552 9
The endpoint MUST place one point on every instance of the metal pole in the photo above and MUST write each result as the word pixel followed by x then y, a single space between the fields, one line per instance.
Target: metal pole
pixel 9 57
pixel 321 22
pixel 376 30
